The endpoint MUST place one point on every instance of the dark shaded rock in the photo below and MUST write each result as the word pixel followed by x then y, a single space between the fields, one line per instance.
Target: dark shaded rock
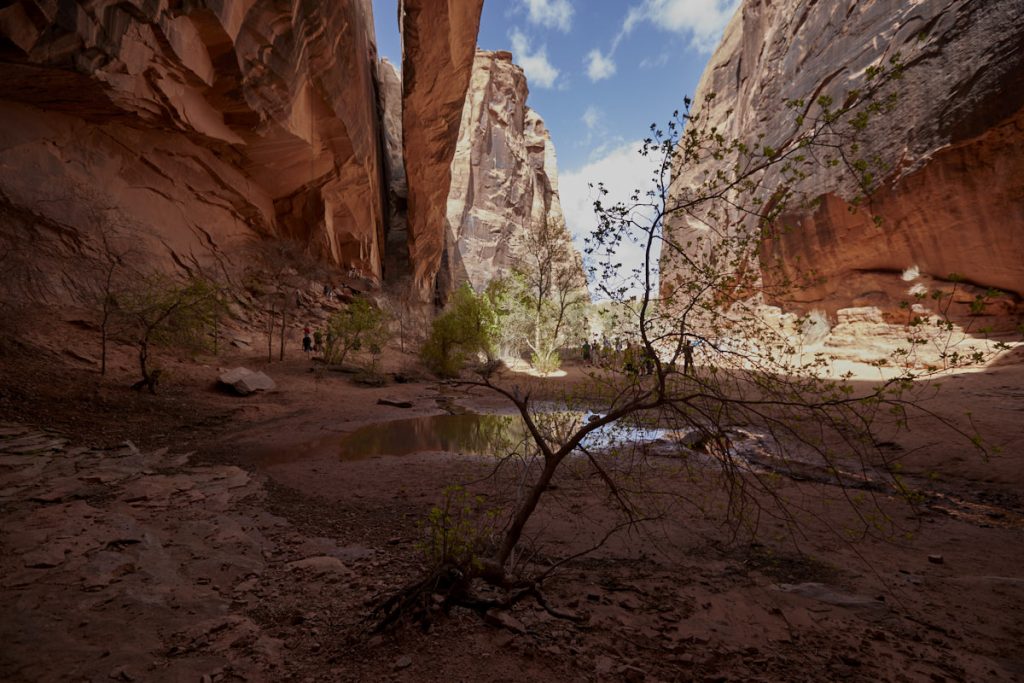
pixel 244 381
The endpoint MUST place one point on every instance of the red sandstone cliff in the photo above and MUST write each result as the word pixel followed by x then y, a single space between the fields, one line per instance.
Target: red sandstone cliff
pixel 194 127
pixel 953 198
pixel 438 45
pixel 191 129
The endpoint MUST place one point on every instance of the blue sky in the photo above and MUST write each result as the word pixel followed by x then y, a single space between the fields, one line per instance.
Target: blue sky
pixel 600 72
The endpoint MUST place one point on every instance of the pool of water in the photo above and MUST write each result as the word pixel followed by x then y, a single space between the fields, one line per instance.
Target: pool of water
pixel 477 434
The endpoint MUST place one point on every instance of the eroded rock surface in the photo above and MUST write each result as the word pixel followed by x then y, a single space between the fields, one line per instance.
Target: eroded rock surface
pixel 438 46
pixel 94 540
pixel 504 176
pixel 192 128
pixel 952 200
pixel 390 93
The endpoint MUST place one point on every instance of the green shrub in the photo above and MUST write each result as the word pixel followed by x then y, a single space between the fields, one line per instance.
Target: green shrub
pixel 359 325
pixel 465 330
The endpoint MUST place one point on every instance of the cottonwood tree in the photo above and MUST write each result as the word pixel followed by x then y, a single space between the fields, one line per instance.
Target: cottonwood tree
pixel 359 325
pixel 548 283
pixel 161 310
pixel 757 407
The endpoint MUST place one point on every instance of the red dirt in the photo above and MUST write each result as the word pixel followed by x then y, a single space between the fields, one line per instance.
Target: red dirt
pixel 676 604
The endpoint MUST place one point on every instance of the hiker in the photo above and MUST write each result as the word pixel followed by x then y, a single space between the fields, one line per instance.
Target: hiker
pixel 307 342
pixel 687 357
pixel 629 364
pixel 318 341
pixel 586 351
pixel 648 362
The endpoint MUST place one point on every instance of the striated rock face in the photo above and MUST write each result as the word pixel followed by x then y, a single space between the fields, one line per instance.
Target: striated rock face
pixel 438 44
pixel 390 93
pixel 196 124
pixel 953 198
pixel 504 176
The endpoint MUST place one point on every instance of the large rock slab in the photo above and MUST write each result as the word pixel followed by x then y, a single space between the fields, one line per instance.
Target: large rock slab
pixel 952 200
pixel 245 381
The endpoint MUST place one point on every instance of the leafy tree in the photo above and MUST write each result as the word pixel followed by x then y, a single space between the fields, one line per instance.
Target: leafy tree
pixel 466 329
pixel 159 310
pixel 752 384
pixel 548 283
pixel 359 325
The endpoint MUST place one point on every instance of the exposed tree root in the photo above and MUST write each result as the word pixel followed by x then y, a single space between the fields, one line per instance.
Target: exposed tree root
pixel 449 586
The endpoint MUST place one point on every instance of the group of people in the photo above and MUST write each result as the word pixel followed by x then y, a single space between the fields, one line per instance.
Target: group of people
pixel 632 358
pixel 313 344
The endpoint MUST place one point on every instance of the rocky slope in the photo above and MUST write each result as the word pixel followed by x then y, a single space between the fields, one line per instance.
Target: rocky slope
pixel 184 131
pixel 504 176
pixel 952 200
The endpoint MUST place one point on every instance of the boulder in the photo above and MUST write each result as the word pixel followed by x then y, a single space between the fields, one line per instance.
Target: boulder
pixel 244 381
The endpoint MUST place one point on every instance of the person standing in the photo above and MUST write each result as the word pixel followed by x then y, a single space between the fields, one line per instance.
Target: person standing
pixel 307 342
pixel 687 357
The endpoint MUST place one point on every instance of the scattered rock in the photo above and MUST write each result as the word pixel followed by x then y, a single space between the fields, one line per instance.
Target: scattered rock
pixel 320 565
pixel 79 356
pixel 936 559
pixel 502 619
pixel 245 381
pixel 403 662
pixel 632 674
pixel 396 403
pixel 369 379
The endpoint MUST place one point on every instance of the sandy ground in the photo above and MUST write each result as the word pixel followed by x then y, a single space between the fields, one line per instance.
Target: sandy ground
pixel 260 555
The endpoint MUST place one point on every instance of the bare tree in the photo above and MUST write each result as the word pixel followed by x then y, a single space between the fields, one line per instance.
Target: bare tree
pixel 280 269
pixel 110 267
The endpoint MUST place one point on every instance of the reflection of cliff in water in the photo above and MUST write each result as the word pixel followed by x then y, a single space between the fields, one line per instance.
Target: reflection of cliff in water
pixel 478 434
pixel 497 435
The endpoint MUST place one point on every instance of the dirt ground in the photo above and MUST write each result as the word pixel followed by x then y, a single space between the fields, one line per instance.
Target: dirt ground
pixel 199 536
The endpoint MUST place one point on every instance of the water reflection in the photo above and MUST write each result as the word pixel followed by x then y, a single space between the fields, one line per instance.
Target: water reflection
pixel 480 434
pixel 476 434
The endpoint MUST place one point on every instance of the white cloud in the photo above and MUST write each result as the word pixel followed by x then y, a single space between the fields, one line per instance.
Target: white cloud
pixel 655 62
pixel 539 71
pixel 702 20
pixel 599 67
pixel 592 117
pixel 622 170
pixel 550 13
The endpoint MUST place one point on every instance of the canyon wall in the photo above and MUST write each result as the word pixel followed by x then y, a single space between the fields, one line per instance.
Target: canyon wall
pixel 951 199
pixel 438 45
pixel 504 177
pixel 188 131
pixel 192 128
